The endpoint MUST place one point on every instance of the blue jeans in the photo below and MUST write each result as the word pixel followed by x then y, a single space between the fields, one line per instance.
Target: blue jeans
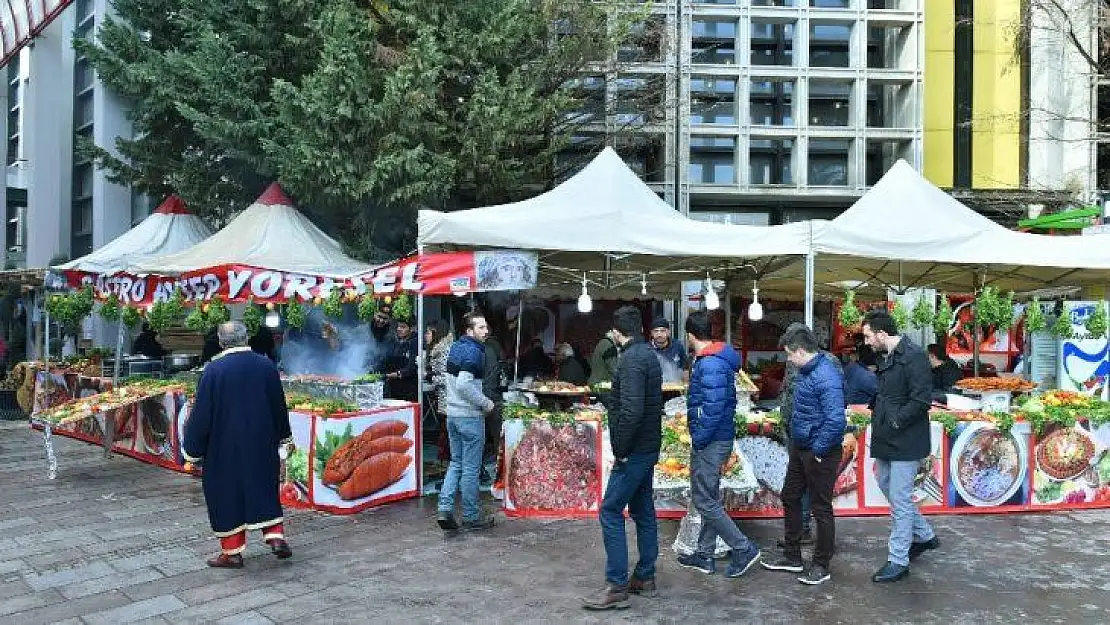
pixel 466 436
pixel 895 479
pixel 705 490
pixel 630 486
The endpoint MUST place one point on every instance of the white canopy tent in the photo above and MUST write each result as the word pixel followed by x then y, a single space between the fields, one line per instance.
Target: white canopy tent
pixel 269 234
pixel 906 232
pixel 607 223
pixel 170 228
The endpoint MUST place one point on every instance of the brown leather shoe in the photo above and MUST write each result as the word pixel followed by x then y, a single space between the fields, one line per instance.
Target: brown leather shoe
pixel 609 598
pixel 224 561
pixel 642 587
pixel 281 549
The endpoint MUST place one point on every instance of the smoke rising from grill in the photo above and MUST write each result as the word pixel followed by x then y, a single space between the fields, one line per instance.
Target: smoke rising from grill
pixel 671 371
pixel 306 352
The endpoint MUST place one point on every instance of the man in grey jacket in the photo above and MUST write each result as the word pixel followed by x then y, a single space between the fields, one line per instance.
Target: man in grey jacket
pixel 466 408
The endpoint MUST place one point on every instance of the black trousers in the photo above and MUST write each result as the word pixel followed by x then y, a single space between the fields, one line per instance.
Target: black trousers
pixel 806 472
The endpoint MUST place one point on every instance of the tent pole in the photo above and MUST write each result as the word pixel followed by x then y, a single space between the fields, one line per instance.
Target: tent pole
pixel 811 257
pixel 516 356
pixel 421 371
pixel 728 320
pixel 119 353
pixel 975 326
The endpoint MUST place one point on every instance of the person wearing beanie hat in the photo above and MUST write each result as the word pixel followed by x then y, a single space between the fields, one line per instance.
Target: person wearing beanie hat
pixel 665 346
pixel 400 363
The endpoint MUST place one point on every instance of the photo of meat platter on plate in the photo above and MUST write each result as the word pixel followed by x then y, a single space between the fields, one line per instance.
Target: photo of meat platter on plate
pixel 552 466
pixel 987 467
pixel 1072 466
pixel 360 459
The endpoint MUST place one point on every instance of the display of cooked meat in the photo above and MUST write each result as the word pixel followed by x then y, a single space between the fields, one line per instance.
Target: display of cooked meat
pixel 557 386
pixel 1065 454
pixel 1000 384
pixel 357 450
pixel 374 474
pixel 555 468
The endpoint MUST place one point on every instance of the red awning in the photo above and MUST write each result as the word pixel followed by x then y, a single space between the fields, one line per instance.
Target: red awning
pixel 22 20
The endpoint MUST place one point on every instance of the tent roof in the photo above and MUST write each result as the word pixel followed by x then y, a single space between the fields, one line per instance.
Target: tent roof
pixel 269 234
pixel 905 231
pixel 170 228
pixel 607 222
pixel 605 208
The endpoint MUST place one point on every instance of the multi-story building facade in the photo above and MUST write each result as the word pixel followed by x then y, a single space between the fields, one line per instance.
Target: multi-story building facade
pixel 58 205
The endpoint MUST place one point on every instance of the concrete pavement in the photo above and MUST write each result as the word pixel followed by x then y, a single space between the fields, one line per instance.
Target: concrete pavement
pixel 117 541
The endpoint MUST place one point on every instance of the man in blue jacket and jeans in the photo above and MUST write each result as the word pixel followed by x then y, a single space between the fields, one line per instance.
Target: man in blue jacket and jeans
pixel 711 410
pixel 816 435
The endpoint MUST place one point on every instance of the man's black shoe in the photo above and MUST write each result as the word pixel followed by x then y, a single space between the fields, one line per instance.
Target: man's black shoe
pixel 446 522
pixel 890 572
pixel 815 575
pixel 784 563
pixel 916 549
pixel 807 540
pixel 481 524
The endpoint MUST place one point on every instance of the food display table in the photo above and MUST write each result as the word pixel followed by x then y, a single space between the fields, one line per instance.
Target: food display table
pixel 980 463
pixel 345 463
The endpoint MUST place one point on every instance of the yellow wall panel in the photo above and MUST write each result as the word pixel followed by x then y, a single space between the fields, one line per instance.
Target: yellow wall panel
pixel 996 129
pixel 940 20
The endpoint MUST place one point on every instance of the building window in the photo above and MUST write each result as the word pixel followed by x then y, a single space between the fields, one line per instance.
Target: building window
pixel 882 155
pixel 83 110
pixel 712 160
pixel 771 161
pixel 777 3
pixel 732 218
pixel 830 102
pixel 644 43
pixel 829 45
pixel 639 99
pixel 828 162
pixel 589 94
pixel 771 102
pixel 576 155
pixel 714 41
pixel 713 101
pixel 890 48
pixel 772 43
pixel 15 105
pixel 890 105
pixel 645 155
pixel 830 4
pixel 82 75
pixel 141 207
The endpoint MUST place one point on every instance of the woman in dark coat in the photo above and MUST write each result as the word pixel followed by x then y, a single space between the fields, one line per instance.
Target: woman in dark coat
pixel 236 427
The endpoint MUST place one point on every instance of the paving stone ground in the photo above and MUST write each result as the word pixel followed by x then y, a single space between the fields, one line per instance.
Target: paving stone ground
pixel 117 541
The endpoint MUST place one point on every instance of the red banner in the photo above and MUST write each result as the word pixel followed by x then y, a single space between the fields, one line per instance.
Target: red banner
pixel 429 274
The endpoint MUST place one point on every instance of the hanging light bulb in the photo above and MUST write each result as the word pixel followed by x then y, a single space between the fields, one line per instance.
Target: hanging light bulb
pixel 755 309
pixel 585 304
pixel 643 285
pixel 712 302
pixel 273 320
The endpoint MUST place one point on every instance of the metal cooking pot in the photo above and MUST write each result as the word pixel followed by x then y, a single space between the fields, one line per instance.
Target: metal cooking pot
pixel 181 361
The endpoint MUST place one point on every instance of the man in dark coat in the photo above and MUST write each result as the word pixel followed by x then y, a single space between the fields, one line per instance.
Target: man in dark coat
pixel 816 435
pixel 236 426
pixel 945 372
pixel 491 388
pixel 711 414
pixel 147 344
pixel 400 362
pixel 900 439
pixel 635 422
pixel 672 351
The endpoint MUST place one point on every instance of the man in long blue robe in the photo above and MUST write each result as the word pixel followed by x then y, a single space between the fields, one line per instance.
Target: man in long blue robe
pixel 239 421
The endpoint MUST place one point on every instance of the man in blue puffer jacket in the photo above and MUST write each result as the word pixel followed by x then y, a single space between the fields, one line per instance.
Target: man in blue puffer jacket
pixel 711 410
pixel 816 435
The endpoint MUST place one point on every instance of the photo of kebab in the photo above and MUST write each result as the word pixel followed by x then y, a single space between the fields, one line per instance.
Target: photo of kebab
pixel 367 463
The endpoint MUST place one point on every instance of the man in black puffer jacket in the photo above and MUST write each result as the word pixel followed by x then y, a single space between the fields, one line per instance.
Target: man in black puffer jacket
pixel 635 431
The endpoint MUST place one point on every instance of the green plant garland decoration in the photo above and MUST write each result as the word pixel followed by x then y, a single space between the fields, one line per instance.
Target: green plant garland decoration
pixel 333 303
pixel 130 316
pixel 994 311
pixel 402 306
pixel 1096 323
pixel 1062 328
pixel 197 321
pixel 367 308
pixel 217 312
pixel 900 315
pixel 942 320
pixel 922 314
pixel 162 314
pixel 110 309
pixel 294 314
pixel 1034 317
pixel 253 318
pixel 850 314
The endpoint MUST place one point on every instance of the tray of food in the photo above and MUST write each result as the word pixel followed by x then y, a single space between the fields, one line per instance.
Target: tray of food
pixel 995 385
pixel 555 387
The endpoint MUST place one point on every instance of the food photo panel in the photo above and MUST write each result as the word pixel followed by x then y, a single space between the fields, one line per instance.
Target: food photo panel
pixel 359 460
pixel 552 467
pixel 928 491
pixel 1071 465
pixel 987 467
